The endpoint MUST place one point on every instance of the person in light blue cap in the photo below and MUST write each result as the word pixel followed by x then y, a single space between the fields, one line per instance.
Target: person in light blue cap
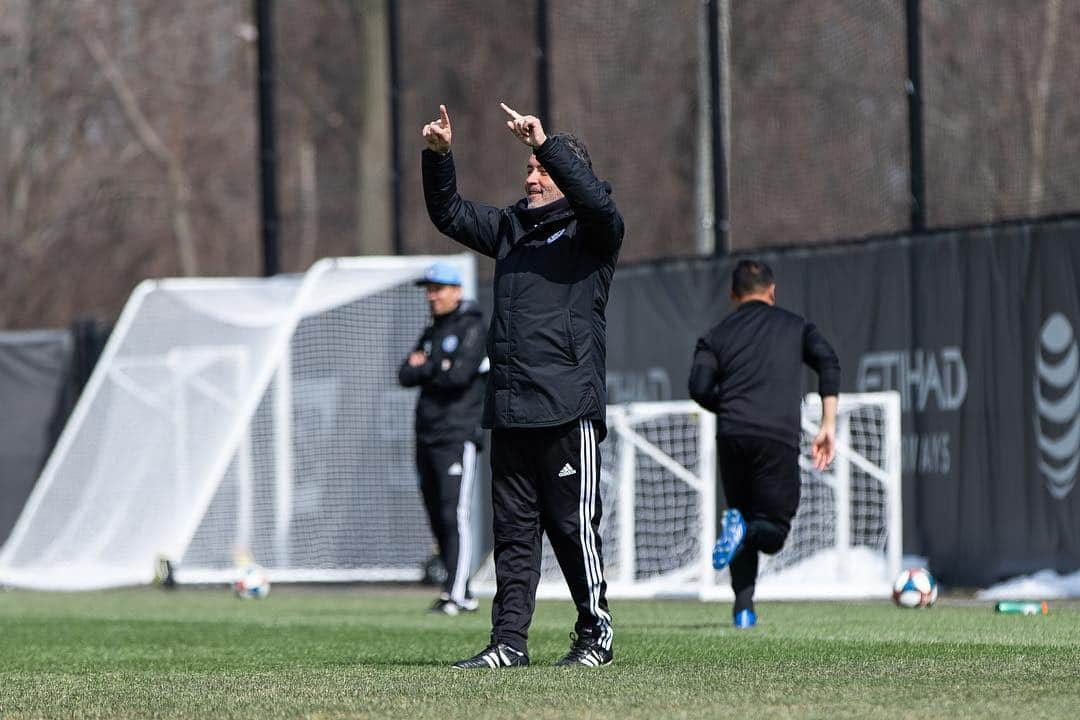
pixel 448 364
pixel 442 273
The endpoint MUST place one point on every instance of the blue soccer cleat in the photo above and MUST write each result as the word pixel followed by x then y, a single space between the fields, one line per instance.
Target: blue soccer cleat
pixel 745 619
pixel 730 540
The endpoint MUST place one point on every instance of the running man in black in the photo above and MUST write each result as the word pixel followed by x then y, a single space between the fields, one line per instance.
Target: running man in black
pixel 449 365
pixel 555 253
pixel 747 370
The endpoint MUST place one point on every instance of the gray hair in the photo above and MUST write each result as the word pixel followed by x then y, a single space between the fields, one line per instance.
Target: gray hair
pixel 576 145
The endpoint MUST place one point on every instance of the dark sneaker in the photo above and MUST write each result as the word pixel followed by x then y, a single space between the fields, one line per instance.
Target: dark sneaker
pixel 495 655
pixel 469 604
pixel 444 606
pixel 585 651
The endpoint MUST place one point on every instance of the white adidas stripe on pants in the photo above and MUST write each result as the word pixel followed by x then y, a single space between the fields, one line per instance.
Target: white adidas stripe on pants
pixel 464 523
pixel 590 488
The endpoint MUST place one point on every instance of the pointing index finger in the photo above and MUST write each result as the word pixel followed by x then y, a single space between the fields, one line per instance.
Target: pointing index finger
pixel 510 111
pixel 443 114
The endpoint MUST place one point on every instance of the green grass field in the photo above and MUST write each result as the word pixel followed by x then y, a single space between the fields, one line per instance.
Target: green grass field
pixel 358 652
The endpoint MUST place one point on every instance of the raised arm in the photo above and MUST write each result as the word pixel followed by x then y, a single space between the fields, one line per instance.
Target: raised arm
pixel 589 197
pixel 438 133
pixel 474 225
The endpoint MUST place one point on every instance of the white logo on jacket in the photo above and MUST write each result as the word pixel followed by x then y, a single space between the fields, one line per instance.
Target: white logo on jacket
pixel 449 343
pixel 555 236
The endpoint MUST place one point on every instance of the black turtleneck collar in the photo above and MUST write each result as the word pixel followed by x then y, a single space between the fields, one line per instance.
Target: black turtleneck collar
pixel 531 217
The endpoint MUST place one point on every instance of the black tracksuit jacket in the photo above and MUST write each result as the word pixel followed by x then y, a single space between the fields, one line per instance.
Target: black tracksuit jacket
pixel 553 268
pixel 748 370
pixel 452 379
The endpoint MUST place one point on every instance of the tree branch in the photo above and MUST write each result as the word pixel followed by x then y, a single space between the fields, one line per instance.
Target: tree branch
pixel 178 182
pixel 1042 99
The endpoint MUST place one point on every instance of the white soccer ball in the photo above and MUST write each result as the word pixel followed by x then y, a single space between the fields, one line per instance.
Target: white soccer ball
pixel 915 588
pixel 253 583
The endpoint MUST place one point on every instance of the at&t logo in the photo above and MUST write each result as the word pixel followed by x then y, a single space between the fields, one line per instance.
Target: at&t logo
pixel 1057 401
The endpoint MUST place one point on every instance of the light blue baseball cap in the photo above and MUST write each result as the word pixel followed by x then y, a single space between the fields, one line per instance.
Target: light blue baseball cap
pixel 441 273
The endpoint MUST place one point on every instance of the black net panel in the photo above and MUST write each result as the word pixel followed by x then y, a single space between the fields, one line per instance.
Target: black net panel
pixel 1000 108
pixel 819 145
pixel 624 78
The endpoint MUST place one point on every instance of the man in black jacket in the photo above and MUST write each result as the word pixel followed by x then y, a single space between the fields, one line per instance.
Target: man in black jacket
pixel 449 365
pixel 555 253
pixel 747 370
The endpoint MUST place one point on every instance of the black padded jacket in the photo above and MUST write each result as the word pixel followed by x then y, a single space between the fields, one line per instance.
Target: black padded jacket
pixel 452 379
pixel 553 269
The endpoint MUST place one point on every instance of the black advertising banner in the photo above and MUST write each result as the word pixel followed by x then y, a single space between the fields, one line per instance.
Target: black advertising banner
pixel 34 369
pixel 977 330
pixel 1051 400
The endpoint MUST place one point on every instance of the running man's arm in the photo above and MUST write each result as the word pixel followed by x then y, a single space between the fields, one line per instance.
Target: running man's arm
pixel 819 355
pixel 703 377
pixel 824 446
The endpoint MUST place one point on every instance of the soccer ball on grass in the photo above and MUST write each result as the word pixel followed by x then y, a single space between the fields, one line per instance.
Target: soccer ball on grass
pixel 253 583
pixel 915 588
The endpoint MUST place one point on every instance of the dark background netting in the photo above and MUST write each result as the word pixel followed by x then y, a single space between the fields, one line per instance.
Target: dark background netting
pixel 819 146
pixel 624 78
pixel 468 55
pixel 1002 117
pixel 323 112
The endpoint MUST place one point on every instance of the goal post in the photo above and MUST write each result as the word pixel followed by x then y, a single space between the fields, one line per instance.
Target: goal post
pixel 659 485
pixel 260 414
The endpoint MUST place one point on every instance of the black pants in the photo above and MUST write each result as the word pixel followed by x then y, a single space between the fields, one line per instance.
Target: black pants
pixel 447 481
pixel 547 480
pixel 762 481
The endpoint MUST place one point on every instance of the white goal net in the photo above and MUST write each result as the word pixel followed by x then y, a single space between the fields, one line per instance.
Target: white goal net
pixel 254 414
pixel 659 487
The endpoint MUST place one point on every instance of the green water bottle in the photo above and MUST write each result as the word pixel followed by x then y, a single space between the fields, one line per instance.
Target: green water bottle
pixel 1022 607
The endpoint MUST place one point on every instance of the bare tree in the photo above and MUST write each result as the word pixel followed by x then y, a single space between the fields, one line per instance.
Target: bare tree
pixel 144 131
pixel 127 151
pixel 1040 105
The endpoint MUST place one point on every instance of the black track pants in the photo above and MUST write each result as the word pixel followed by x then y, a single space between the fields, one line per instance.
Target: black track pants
pixel 762 481
pixel 547 479
pixel 447 481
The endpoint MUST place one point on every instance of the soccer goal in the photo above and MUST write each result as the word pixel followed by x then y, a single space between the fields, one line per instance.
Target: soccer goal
pixel 261 415
pixel 658 483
